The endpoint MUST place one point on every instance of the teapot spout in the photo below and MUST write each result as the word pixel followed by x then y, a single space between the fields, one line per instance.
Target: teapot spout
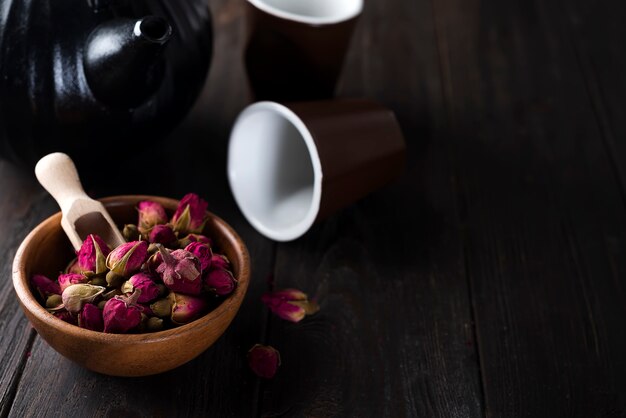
pixel 123 60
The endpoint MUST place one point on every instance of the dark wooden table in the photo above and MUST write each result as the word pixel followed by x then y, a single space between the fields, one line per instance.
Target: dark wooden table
pixel 489 280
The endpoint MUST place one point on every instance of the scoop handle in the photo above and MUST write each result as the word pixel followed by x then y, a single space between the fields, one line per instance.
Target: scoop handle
pixel 57 174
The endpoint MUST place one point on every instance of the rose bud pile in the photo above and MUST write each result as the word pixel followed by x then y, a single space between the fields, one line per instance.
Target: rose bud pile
pixel 166 275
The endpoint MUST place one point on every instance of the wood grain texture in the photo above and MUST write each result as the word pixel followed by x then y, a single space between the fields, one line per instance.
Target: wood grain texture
pixel 21 206
pixel 394 336
pixel 543 211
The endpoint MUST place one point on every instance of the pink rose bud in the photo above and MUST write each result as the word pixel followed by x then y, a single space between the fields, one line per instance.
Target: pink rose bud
pixel 264 360
pixel 162 234
pixel 92 255
pixel 202 252
pixel 220 281
pixel 153 262
pixel 144 282
pixel 186 308
pixel 72 267
pixel 66 316
pixel 91 318
pixel 150 214
pixel 188 239
pixel 121 314
pixel 45 286
pixel 127 258
pixel 76 296
pixel 190 215
pixel 290 304
pixel 66 280
pixel 180 271
pixel 220 261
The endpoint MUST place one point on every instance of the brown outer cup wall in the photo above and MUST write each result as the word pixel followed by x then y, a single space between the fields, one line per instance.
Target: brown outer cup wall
pixel 287 60
pixel 360 146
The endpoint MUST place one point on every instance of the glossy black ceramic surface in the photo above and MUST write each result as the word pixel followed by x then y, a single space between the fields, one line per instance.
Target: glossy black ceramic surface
pixel 89 77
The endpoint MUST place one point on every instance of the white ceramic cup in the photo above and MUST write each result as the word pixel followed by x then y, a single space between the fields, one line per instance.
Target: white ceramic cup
pixel 312 12
pixel 290 165
pixel 274 171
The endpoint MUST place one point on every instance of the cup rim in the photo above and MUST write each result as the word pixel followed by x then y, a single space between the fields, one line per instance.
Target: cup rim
pixel 30 303
pixel 311 20
pixel 305 224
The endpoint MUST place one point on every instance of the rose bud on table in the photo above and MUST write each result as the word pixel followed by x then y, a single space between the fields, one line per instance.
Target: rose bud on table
pixel 290 304
pixel 190 216
pixel 264 360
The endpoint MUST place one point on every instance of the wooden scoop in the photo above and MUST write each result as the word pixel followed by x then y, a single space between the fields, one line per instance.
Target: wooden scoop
pixel 81 214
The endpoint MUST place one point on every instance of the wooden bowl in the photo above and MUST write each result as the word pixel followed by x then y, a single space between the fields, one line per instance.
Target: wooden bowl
pixel 46 250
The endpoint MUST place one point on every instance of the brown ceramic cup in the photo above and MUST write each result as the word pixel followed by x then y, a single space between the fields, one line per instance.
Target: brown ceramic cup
pixel 296 49
pixel 291 165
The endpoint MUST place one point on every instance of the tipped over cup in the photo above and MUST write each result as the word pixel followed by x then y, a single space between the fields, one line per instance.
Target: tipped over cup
pixel 292 165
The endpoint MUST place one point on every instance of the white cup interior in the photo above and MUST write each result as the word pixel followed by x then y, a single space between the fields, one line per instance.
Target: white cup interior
pixel 274 171
pixel 316 12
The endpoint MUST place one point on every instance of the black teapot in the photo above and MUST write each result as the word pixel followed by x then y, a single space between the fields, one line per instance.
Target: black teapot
pixel 97 77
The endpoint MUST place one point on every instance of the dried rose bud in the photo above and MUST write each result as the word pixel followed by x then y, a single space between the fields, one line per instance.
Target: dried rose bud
pixel 66 316
pixel 264 360
pixel 153 262
pixel 162 234
pixel 121 314
pixel 77 295
pixel 144 282
pixel 161 308
pixel 72 267
pixel 127 258
pixel 150 214
pixel 220 281
pixel 290 304
pixel 92 255
pixel 220 261
pixel 54 302
pixel 202 252
pixel 130 232
pixel 146 310
pixel 188 239
pixel 45 286
pixel 66 280
pixel 154 324
pixel 190 215
pixel 180 271
pixel 91 318
pixel 186 308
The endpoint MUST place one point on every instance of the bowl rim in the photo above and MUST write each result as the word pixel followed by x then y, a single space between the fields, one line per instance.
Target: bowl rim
pixel 32 305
